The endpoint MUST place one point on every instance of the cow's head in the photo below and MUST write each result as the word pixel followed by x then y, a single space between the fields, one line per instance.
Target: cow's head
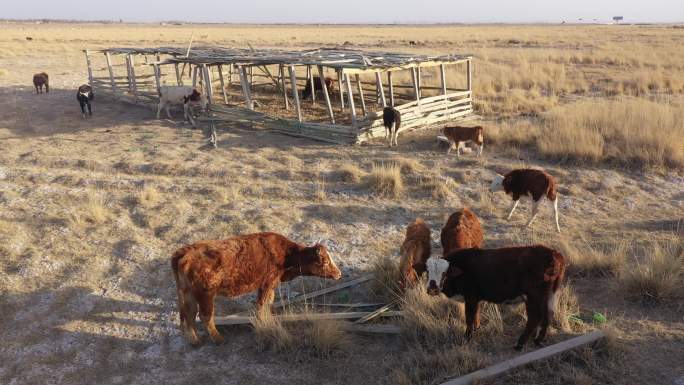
pixel 316 261
pixel 497 183
pixel 196 98
pixel 437 272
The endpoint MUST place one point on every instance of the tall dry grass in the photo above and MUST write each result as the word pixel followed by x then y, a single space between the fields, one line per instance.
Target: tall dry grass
pixel 657 274
pixel 386 180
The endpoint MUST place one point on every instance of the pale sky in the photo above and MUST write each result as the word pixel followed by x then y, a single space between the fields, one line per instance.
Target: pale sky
pixel 347 11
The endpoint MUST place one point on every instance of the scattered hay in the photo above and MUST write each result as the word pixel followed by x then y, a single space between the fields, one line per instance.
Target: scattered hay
pixel 350 173
pixel 601 261
pixel 432 320
pixel 386 180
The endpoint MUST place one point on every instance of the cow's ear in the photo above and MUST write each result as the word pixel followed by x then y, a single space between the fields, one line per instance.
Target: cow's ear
pixel 454 272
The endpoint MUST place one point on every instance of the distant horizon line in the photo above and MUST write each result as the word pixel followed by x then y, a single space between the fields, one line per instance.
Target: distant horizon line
pixel 184 22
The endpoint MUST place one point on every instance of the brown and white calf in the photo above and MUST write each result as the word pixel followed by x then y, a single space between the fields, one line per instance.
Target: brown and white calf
pixel 461 231
pixel 414 252
pixel 528 183
pixel 458 136
pixel 329 85
pixel 40 80
pixel 237 266
pixel 500 275
pixel 183 95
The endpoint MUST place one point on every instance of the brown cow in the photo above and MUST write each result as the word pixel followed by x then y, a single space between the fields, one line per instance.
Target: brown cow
pixel 415 251
pixel 39 80
pixel 500 275
pixel 462 231
pixel 531 183
pixel 458 136
pixel 240 265
pixel 329 84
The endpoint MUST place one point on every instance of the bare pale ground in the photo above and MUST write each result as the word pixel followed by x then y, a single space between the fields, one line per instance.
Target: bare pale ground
pixel 92 210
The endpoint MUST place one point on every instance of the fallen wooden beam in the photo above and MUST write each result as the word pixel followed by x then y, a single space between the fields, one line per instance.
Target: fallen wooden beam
pixel 525 359
pixel 376 313
pixel 380 328
pixel 242 319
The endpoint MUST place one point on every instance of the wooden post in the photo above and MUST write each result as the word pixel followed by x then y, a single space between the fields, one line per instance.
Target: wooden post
pixel 325 94
pixel 470 75
pixel 340 81
pixel 381 92
pixel 157 80
pixel 420 81
pixel 281 69
pixel 223 85
pixel 251 76
pixel 414 78
pixel 111 73
pixel 230 74
pixel 360 88
pixel 90 68
pixel 131 63
pixel 351 98
pixel 245 87
pixel 295 95
pixel 391 88
pixel 179 78
pixel 309 75
pixel 207 82
pixel 443 79
pixel 194 77
pixel 128 74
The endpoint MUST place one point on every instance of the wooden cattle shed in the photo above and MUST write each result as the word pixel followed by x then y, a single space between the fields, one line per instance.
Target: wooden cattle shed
pixel 263 87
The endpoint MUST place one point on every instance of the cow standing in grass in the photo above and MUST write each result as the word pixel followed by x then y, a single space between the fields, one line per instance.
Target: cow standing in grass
pixel 84 96
pixel 237 266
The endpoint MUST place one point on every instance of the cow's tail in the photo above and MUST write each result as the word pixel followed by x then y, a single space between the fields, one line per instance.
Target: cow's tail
pixel 556 273
pixel 552 194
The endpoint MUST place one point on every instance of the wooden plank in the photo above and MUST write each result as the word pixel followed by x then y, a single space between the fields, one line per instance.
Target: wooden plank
pixel 414 79
pixel 246 319
pixel 443 79
pixel 157 80
pixel 381 91
pixel 295 94
pixel 245 87
pixel 179 78
pixel 420 81
pixel 543 353
pixel 207 81
pixel 111 72
pixel 340 81
pixel 281 69
pixel 349 305
pixel 360 88
pixel 350 95
pixel 376 313
pixel 223 85
pixel 324 87
pixel 470 75
pixel 90 67
pixel 372 329
pixel 321 292
pixel 391 88
pixel 134 78
pixel 309 75
pixel 194 77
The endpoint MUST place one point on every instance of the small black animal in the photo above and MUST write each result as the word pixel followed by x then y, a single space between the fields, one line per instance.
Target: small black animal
pixel 392 121
pixel 84 96
pixel 40 80
pixel 329 84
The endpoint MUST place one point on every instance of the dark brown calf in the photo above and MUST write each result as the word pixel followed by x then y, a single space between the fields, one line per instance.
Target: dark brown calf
pixel 329 85
pixel 462 231
pixel 531 183
pixel 40 80
pixel 458 135
pixel 237 266
pixel 499 275
pixel 415 251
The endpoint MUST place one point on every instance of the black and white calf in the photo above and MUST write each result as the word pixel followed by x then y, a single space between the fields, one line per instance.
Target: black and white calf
pixel 391 118
pixel 84 96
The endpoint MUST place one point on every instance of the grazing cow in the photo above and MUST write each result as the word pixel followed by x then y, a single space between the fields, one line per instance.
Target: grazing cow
pixel 462 231
pixel 180 95
pixel 84 96
pixel 414 252
pixel 329 84
pixel 531 183
pixel 40 80
pixel 499 275
pixel 391 118
pixel 239 265
pixel 458 136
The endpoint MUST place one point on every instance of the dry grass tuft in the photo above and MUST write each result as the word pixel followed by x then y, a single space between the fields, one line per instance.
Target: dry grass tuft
pixel 432 320
pixel 385 270
pixel 657 276
pixel 602 261
pixel 148 197
pixel 270 334
pixel 409 165
pixel 567 305
pixel 386 180
pixel 421 366
pixel 350 173
pixel 437 186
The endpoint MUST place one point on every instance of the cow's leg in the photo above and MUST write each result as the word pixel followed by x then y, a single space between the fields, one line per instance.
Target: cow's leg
pixel 265 298
pixel 513 206
pixel 187 306
pixel 451 146
pixel 83 111
pixel 479 151
pixel 533 319
pixel 395 133
pixel 545 313
pixel 90 108
pixel 47 87
pixel 159 108
pixel 555 211
pixel 472 310
pixel 166 107
pixel 535 211
pixel 36 89
pixel 206 310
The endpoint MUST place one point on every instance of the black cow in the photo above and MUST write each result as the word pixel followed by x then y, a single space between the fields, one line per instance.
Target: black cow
pixel 84 96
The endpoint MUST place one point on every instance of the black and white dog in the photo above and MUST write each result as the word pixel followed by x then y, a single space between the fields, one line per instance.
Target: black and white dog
pixel 84 96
